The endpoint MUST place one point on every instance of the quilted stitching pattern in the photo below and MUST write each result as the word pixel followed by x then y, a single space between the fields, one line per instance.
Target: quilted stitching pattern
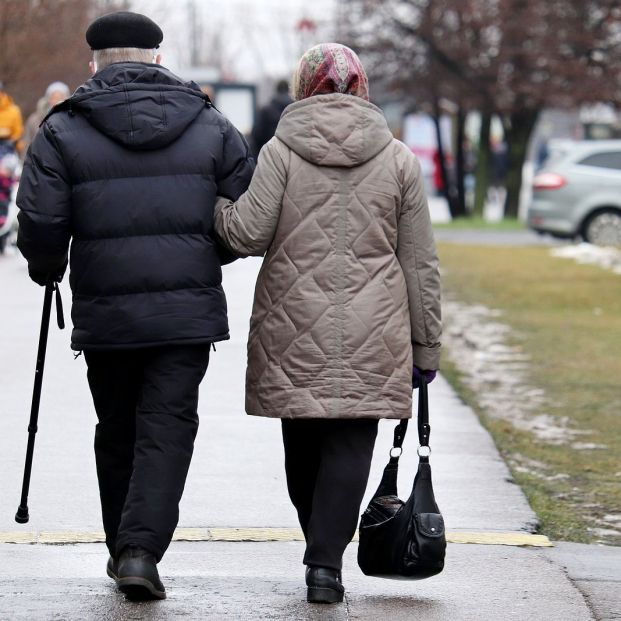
pixel 330 331
pixel 338 208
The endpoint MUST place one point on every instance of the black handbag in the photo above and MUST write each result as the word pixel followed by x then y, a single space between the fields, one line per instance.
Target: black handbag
pixel 404 540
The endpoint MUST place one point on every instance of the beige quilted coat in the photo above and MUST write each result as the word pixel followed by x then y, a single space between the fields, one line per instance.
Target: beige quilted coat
pixel 348 297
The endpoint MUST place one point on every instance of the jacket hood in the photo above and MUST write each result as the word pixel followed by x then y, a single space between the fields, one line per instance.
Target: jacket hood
pixel 334 130
pixel 140 105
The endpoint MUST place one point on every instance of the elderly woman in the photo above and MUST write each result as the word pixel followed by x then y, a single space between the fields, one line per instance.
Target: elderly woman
pixel 347 304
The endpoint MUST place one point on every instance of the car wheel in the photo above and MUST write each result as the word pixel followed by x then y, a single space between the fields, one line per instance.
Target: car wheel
pixel 603 228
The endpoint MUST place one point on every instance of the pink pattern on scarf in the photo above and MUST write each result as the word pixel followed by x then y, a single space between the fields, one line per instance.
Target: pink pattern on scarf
pixel 330 68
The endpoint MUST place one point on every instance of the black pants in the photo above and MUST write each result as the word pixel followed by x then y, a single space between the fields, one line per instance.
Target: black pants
pixel 327 464
pixel 146 402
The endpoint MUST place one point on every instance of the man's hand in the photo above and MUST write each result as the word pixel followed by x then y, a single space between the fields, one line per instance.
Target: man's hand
pixel 43 278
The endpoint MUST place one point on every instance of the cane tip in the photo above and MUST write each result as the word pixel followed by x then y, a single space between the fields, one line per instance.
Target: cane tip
pixel 22 517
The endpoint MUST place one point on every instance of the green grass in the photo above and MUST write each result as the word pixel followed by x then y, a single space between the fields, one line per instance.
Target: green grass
pixel 568 319
pixel 510 224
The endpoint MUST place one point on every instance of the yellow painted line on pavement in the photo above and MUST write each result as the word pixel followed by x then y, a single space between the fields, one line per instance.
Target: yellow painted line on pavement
pixel 499 539
pixel 193 534
pixel 266 535
pixel 256 534
pixel 18 537
pixel 55 538
pixel 295 534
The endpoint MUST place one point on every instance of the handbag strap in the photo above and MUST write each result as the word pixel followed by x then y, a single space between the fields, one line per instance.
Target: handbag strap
pixel 424 429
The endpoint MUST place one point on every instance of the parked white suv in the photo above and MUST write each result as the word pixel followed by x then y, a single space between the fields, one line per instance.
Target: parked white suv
pixel 578 193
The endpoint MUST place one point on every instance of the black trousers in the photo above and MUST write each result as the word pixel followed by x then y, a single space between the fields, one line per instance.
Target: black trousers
pixel 327 464
pixel 146 402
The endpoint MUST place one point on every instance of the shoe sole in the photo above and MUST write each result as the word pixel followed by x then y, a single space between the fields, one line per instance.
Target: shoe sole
pixel 139 589
pixel 323 595
pixel 111 574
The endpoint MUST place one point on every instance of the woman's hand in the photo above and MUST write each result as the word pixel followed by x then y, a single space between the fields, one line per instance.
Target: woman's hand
pixel 417 374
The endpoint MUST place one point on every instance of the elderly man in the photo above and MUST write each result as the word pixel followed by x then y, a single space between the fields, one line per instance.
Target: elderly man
pixel 128 169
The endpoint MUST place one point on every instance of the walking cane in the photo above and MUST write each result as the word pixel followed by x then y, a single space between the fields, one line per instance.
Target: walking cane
pixel 21 517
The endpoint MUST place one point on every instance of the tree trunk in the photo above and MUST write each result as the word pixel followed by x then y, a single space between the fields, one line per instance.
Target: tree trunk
pixel 448 188
pixel 460 162
pixel 518 133
pixel 483 165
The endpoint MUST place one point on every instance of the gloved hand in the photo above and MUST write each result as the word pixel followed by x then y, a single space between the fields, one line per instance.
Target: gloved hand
pixel 42 278
pixel 417 373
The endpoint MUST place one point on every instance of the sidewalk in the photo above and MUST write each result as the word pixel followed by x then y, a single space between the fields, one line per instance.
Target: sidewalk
pixel 237 482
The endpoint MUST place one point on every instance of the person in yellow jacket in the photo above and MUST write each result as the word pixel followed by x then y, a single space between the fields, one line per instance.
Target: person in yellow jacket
pixel 11 124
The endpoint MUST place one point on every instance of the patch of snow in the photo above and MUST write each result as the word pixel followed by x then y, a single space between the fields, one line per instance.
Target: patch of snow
pixel 587 446
pixel 496 370
pixel 612 517
pixel 604 532
pixel 589 254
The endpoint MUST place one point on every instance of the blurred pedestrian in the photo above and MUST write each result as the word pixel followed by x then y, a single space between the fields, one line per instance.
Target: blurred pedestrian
pixel 470 168
pixel 11 124
pixel 55 93
pixel 500 155
pixel 346 311
pixel 128 169
pixel 543 153
pixel 9 167
pixel 268 116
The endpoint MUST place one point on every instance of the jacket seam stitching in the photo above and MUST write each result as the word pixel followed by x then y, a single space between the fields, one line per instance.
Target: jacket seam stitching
pixel 420 291
pixel 167 174
pixel 164 118
pixel 59 150
pixel 211 338
pixel 149 292
pixel 129 112
pixel 340 290
pixel 156 234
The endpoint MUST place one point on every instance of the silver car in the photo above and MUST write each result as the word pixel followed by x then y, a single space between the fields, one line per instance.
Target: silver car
pixel 578 193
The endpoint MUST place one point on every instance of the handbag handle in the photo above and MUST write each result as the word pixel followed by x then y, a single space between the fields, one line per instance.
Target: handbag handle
pixel 424 429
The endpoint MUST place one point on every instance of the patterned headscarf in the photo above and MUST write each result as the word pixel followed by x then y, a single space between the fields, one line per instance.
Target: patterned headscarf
pixel 330 68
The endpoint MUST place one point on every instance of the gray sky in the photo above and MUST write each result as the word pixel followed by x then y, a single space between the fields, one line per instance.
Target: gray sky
pixel 249 39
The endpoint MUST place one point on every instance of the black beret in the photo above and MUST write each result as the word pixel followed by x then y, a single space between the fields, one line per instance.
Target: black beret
pixel 124 29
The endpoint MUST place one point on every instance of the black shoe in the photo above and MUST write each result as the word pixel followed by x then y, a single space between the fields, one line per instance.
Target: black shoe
pixel 324 585
pixel 111 569
pixel 137 575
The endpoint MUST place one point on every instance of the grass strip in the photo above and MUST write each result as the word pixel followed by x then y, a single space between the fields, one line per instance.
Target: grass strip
pixel 474 222
pixel 567 317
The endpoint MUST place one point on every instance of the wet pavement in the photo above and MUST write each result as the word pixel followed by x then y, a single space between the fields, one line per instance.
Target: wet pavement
pixel 237 481
pixel 265 581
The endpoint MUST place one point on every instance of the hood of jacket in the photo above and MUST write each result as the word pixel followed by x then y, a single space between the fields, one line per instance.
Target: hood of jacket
pixel 334 130
pixel 140 105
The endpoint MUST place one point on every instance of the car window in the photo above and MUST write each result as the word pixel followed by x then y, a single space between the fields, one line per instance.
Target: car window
pixel 609 159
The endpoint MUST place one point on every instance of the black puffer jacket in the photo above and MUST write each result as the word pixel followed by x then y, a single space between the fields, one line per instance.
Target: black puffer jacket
pixel 129 169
